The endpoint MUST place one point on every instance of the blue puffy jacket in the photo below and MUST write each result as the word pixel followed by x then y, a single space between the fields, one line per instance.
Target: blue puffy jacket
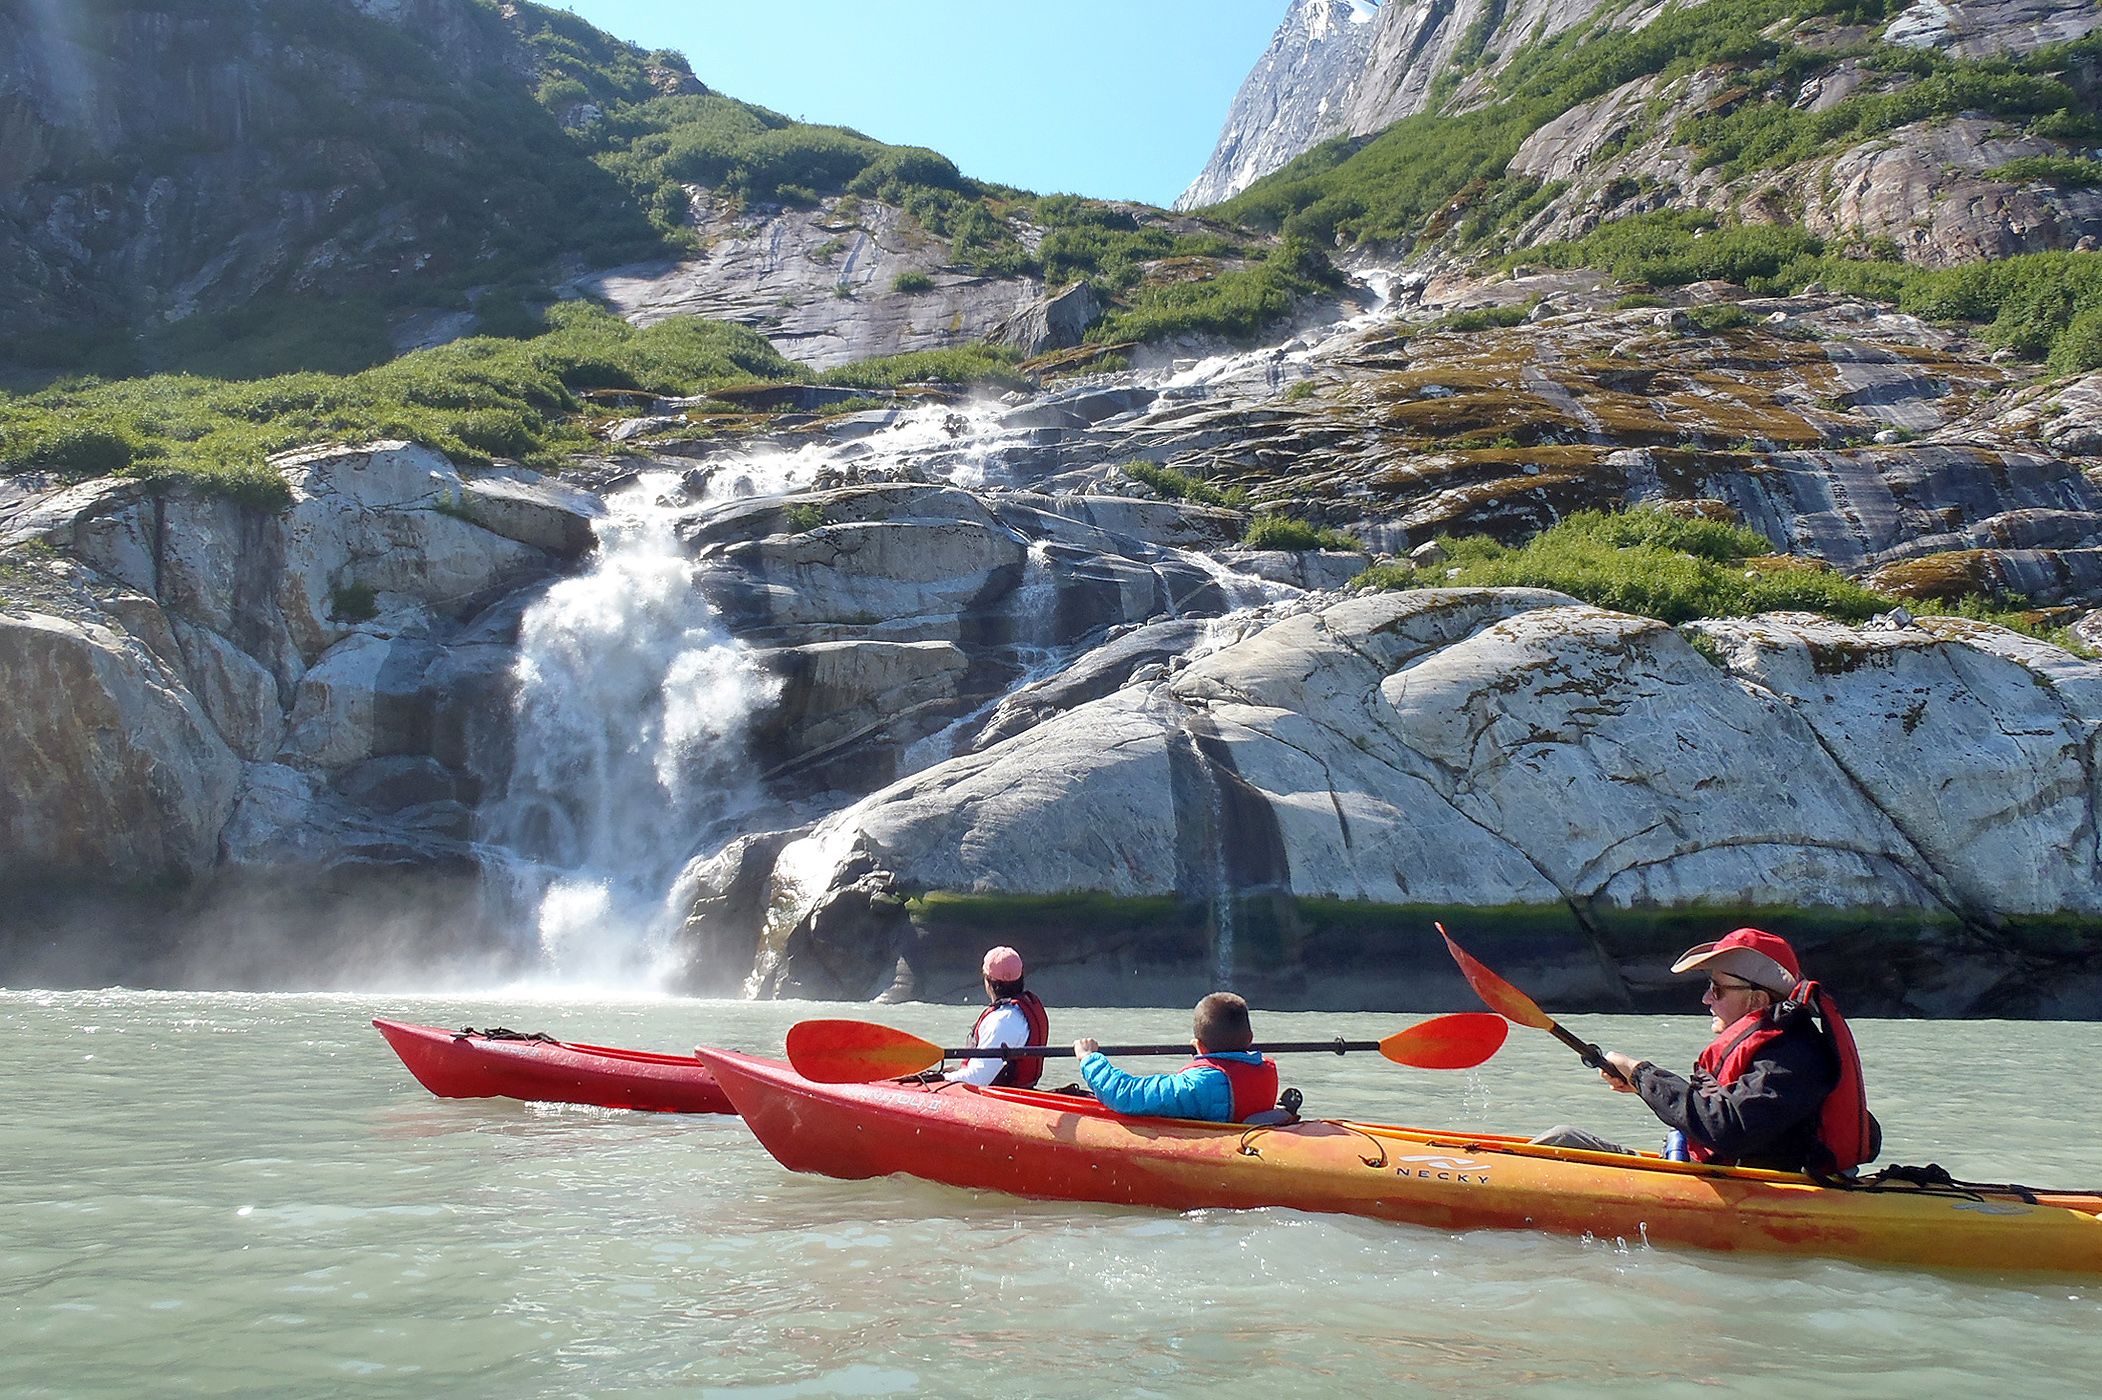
pixel 1200 1091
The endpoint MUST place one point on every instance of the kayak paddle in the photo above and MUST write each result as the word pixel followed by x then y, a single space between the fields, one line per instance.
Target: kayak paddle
pixel 858 1052
pixel 1507 1000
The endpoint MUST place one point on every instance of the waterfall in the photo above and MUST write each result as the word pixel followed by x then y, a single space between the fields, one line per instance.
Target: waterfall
pixel 630 713
pixel 633 699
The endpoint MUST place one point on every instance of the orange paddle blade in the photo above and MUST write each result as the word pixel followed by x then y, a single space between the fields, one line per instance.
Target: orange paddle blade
pixel 857 1052
pixel 1500 996
pixel 1459 1041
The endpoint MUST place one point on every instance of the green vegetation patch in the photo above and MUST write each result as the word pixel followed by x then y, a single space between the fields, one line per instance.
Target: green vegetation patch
pixel 2042 305
pixel 986 364
pixel 1236 304
pixel 1181 486
pixel 1283 532
pixel 2067 172
pixel 472 399
pixel 1655 564
pixel 1438 174
pixel 1765 135
pixel 1432 174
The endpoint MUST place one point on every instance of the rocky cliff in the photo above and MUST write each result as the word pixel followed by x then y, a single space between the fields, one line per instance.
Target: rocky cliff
pixel 790 709
pixel 1293 99
pixel 250 188
pixel 1950 164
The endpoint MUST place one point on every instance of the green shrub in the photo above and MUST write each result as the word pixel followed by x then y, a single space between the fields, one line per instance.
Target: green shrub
pixel 912 281
pixel 1236 304
pixel 1770 135
pixel 2067 172
pixel 1483 318
pixel 471 399
pixel 965 364
pixel 1181 486
pixel 1719 316
pixel 2078 348
pixel 67 448
pixel 1283 532
pixel 2031 303
pixel 803 516
pixel 901 168
pixel 353 603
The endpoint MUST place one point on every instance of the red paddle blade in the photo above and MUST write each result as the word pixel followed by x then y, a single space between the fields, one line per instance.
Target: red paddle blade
pixel 857 1052
pixel 1459 1041
pixel 1499 995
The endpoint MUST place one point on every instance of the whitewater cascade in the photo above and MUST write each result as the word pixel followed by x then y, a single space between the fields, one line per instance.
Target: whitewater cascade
pixel 633 699
pixel 631 707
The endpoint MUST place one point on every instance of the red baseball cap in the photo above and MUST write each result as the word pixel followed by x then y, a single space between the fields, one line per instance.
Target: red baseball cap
pixel 1763 959
pixel 1003 964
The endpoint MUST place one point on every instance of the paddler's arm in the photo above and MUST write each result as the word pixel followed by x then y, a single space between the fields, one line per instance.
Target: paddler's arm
pixel 1202 1092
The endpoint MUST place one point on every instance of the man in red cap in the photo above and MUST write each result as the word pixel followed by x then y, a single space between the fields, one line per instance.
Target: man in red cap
pixel 1015 1016
pixel 1774 1088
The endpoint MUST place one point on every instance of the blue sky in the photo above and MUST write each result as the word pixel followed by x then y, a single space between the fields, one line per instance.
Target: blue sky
pixel 1119 99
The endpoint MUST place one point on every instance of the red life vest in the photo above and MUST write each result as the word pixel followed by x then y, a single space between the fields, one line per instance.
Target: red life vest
pixel 1847 1135
pixel 1254 1086
pixel 1022 1073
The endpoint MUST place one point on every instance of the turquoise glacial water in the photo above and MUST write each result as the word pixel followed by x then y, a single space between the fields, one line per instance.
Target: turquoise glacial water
pixel 234 1193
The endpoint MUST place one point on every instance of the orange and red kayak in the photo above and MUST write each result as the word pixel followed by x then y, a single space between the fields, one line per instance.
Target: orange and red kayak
pixel 472 1065
pixel 1060 1148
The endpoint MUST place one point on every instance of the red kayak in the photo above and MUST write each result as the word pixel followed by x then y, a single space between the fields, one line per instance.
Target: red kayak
pixel 474 1065
pixel 1065 1149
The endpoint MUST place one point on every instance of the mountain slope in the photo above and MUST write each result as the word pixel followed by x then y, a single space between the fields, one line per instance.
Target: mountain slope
pixel 1952 131
pixel 164 161
pixel 1293 98
pixel 248 187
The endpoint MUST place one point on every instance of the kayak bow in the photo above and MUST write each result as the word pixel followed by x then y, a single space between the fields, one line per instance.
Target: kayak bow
pixel 461 1065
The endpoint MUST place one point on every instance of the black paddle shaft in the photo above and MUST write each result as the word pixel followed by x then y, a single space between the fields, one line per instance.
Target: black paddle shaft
pixel 1587 1052
pixel 1337 1046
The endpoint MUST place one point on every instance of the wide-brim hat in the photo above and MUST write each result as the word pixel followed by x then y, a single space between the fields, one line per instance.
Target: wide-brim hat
pixel 1750 954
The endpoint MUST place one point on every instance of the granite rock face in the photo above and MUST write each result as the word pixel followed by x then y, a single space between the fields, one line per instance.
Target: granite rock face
pixel 1292 100
pixel 820 284
pixel 1514 748
pixel 205 670
pixel 113 766
pixel 998 677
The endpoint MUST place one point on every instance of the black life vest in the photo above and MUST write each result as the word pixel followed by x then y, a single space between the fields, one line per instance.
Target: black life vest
pixel 1022 1073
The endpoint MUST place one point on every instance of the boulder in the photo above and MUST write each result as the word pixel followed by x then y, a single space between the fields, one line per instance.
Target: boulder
pixel 1051 322
pixel 532 511
pixel 372 527
pixel 365 698
pixel 114 771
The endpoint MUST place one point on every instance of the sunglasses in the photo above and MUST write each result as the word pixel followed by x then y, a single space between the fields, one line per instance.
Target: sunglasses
pixel 1722 988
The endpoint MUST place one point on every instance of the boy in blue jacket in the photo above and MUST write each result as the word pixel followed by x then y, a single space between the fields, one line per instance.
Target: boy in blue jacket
pixel 1227 1082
